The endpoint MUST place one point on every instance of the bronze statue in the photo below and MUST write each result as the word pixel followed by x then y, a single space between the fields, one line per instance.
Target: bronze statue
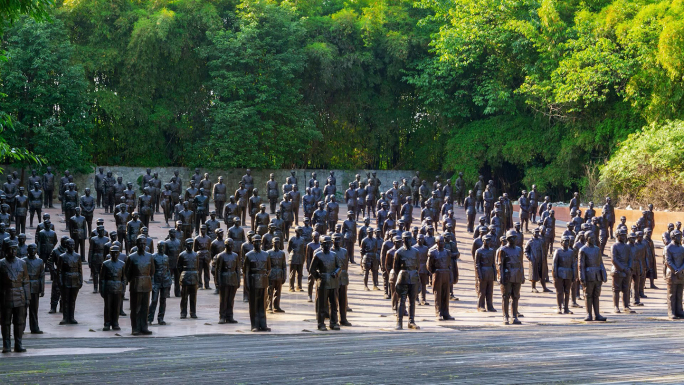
pixel 511 277
pixel 257 268
pixel 51 259
pixel 186 216
pixel 369 257
pixel 317 192
pixel 230 211
pixel 139 270
pixel 196 177
pixel 35 201
pixel 190 194
pixel 212 225
pixel 247 182
pixel 295 197
pixel 15 291
pixel 145 207
pixel 563 274
pixel 244 249
pixel 219 194
pixel 320 219
pixel 201 204
pixel 343 276
pixel 485 270
pixel 406 265
pixel 361 195
pixel 325 267
pixel 87 205
pixel 63 186
pixel 329 189
pixel 286 211
pixel 592 275
pixel 33 179
pixel 10 189
pixel 652 273
pixel 674 276
pixel 161 284
pixel 121 219
pixel 439 265
pixel 296 247
pixel 132 230
pixel 272 192
pixel 21 206
pixel 188 266
pixel 96 256
pixel 130 197
pixel 276 276
pixel 577 244
pixel 36 276
pixel 536 260
pixel 173 247
pixel 308 203
pixel 311 248
pixel 349 236
pixel 333 209
pixel 261 220
pixel 78 230
pixel 48 184
pixel 205 183
pixel 386 246
pixel 201 247
pixel 241 196
pixel 470 209
pixel 640 266
pixel 100 186
pixel 176 189
pixel 109 193
pixel 228 281
pixel 70 277
pixel 621 256
pixel 415 185
pixel 157 184
pixel 112 287
pixel 217 246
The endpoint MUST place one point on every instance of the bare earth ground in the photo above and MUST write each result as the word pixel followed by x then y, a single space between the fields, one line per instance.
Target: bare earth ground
pixel 547 348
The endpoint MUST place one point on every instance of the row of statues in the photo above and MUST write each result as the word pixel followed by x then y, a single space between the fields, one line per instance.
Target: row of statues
pixel 409 257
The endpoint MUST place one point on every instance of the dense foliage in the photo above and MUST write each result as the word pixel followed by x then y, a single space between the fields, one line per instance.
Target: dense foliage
pixel 648 167
pixel 529 91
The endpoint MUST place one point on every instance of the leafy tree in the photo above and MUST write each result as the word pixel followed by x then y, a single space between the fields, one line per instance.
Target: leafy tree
pixel 258 119
pixel 47 95
pixel 648 167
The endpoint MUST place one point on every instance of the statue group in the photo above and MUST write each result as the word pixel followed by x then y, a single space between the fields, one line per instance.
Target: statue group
pixel 412 252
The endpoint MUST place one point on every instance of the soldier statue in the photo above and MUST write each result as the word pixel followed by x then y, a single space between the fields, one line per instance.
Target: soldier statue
pixel 112 283
pixel 343 276
pixel 621 257
pixel 139 270
pixel 406 265
pixel 592 274
pixel 296 247
pixel 161 284
pixel 15 292
pixel 257 267
pixel 228 281
pixel 564 270
pixel 325 267
pixel 36 272
pixel 511 277
pixel 674 275
pixel 70 277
